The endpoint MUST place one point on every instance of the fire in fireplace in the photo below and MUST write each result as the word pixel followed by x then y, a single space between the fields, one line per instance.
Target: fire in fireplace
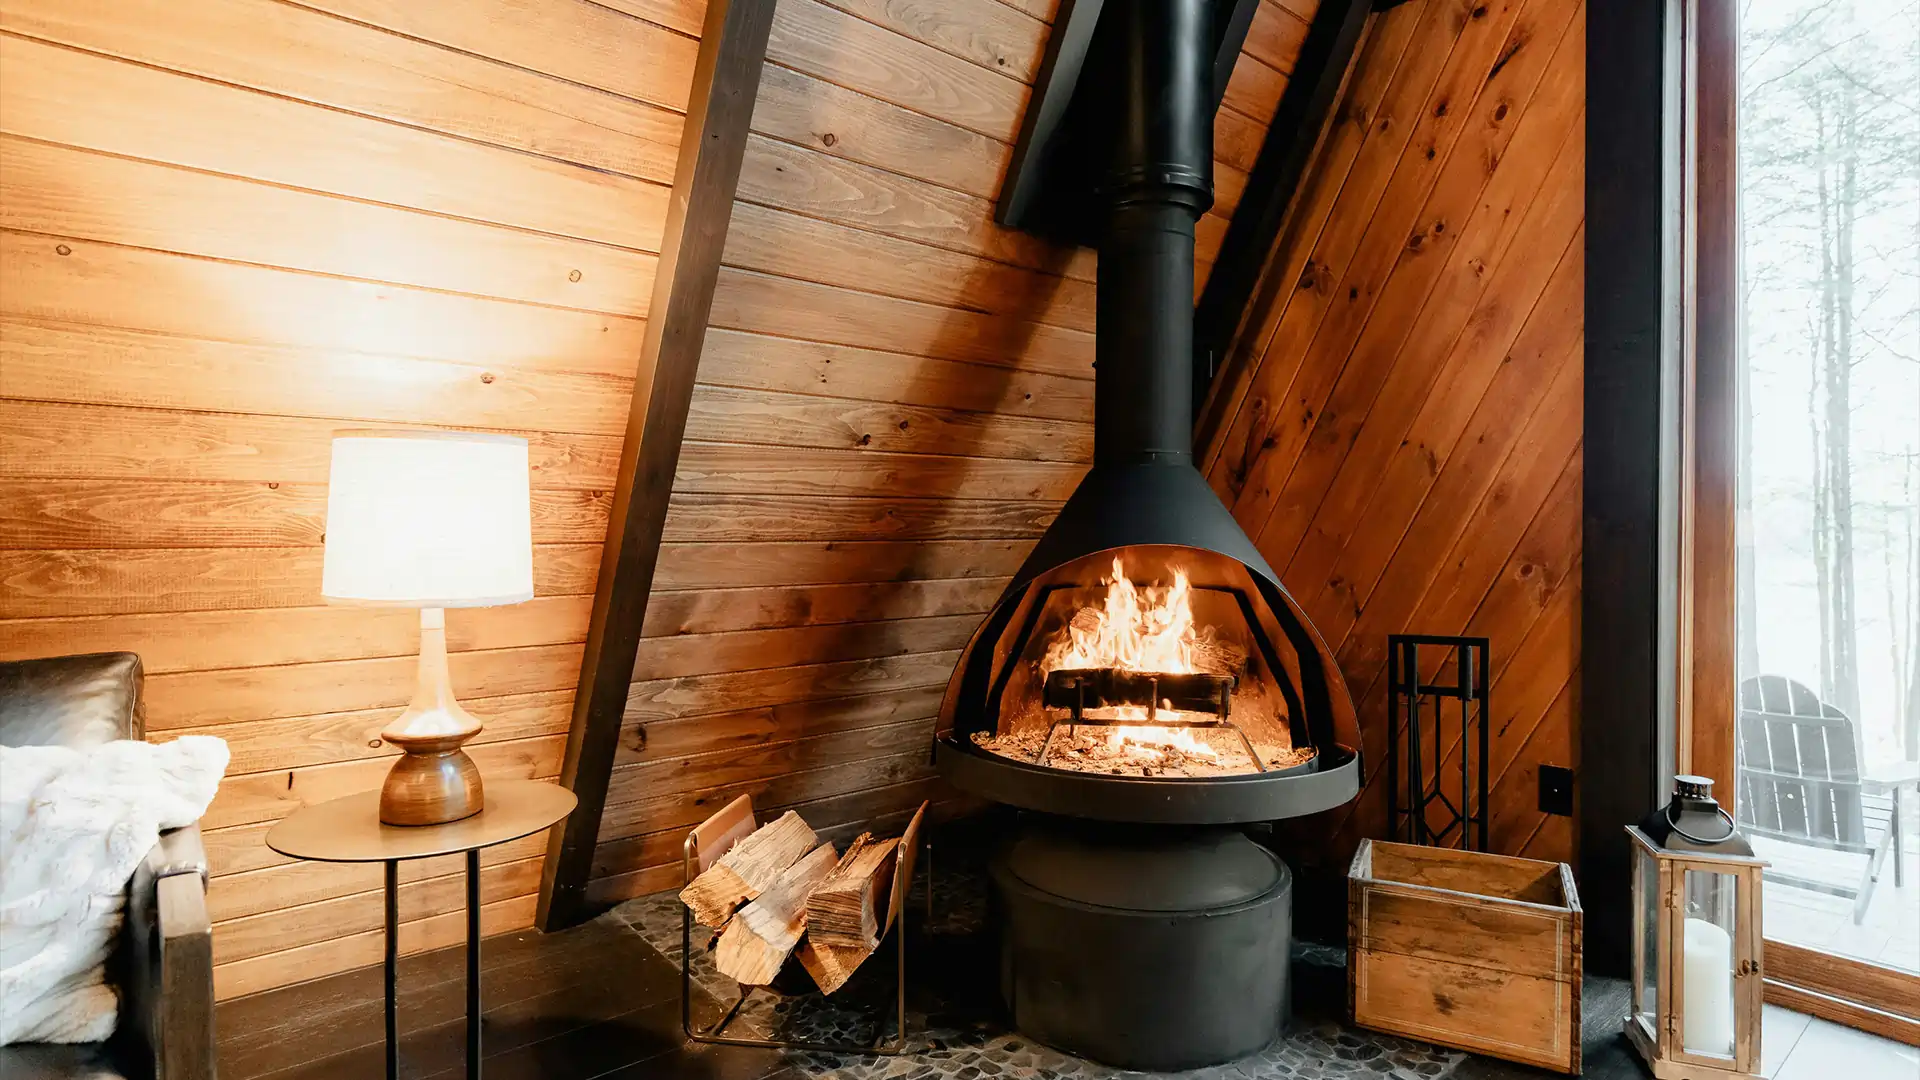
pixel 1136 679
pixel 1145 688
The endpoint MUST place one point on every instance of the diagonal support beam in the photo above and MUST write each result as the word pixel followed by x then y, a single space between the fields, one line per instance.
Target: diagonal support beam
pixel 726 80
pixel 1312 92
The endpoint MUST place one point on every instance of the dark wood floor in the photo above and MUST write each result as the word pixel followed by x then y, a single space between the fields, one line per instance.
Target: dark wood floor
pixel 594 1001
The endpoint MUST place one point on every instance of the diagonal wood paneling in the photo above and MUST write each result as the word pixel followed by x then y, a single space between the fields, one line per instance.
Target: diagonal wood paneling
pixel 1404 445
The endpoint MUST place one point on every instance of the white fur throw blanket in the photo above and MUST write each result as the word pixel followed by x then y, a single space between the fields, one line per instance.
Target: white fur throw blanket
pixel 74 825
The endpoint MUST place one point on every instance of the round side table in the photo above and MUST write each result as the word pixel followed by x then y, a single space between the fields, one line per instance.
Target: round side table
pixel 349 829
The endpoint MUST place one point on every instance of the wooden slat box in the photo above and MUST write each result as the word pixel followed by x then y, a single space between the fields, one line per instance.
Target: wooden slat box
pixel 1477 952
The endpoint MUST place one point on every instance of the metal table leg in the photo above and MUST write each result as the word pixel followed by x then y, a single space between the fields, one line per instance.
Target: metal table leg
pixel 473 964
pixel 392 964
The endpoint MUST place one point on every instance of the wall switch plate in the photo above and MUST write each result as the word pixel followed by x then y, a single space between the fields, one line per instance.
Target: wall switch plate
pixel 1556 790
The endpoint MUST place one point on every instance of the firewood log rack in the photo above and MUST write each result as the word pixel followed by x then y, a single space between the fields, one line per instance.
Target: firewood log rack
pixel 704 846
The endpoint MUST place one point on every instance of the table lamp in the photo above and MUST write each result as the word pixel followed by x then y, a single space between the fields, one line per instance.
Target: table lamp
pixel 431 520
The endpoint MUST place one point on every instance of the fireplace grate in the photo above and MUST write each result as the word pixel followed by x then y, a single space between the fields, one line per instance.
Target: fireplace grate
pixel 1419 808
pixel 1080 689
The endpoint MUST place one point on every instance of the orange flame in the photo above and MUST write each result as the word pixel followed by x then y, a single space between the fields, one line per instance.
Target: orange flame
pixel 1135 629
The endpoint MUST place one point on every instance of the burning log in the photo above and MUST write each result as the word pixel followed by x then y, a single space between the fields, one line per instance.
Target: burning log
pixel 1109 687
pixel 744 873
pixel 763 934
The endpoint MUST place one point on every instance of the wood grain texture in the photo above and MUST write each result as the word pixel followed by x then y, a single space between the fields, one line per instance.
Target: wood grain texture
pixel 306 55
pixel 764 303
pixel 1440 939
pixel 989 33
pixel 796 178
pixel 819 114
pixel 1275 35
pixel 1255 87
pixel 65 192
pixel 770 362
pixel 1709 645
pixel 1404 440
pixel 66 280
pixel 1389 180
pixel 141 112
pixel 783 243
pixel 1229 440
pixel 1395 269
pixel 724 82
pixel 591 43
pixel 262 388
pixel 905 69
pixel 229 229
pixel 232 229
pixel 264 972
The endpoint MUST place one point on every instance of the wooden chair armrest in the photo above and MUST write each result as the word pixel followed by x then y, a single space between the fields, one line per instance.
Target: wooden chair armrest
pixel 1899 774
pixel 170 975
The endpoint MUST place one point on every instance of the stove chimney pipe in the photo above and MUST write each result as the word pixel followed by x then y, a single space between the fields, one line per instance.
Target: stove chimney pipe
pixel 1159 183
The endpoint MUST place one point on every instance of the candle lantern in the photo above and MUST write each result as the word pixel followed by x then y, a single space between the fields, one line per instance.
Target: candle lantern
pixel 1696 940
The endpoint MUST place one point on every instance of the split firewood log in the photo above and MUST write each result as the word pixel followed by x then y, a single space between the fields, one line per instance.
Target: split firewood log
pixel 830 965
pixel 748 870
pixel 864 890
pixel 847 909
pixel 761 935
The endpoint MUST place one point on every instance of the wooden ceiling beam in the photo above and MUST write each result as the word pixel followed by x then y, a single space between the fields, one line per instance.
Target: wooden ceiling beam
pixel 726 81
pixel 1313 90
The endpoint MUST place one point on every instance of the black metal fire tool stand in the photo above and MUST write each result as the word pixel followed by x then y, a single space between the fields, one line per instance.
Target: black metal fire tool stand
pixel 1410 703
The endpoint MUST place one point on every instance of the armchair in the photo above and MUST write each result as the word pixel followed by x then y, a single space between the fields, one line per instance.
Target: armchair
pixel 164 965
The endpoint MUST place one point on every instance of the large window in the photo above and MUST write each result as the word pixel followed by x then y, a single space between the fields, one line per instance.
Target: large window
pixel 1829 470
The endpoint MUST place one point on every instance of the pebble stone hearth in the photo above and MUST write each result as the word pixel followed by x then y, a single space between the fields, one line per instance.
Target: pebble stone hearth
pixel 954 1030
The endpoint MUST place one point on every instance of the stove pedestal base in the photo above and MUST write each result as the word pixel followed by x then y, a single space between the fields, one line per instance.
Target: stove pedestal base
pixel 1143 947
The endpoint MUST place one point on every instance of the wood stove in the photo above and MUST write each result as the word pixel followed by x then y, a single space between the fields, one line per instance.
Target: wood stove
pixel 1145 688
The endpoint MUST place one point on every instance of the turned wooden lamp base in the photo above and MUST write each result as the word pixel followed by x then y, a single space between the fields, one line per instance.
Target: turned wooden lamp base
pixel 434 781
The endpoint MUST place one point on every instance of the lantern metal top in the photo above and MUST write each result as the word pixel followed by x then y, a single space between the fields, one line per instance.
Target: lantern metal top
pixel 1728 857
pixel 1692 822
pixel 1693 787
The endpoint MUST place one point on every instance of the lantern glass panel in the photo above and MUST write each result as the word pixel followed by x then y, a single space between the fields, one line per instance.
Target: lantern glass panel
pixel 1707 963
pixel 1646 873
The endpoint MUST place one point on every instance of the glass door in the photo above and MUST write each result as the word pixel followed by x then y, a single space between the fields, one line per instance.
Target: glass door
pixel 1827 738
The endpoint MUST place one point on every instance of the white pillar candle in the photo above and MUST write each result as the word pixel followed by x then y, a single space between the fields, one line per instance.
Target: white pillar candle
pixel 1706 977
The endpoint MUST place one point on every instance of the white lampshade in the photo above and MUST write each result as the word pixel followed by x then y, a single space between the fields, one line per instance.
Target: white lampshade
pixel 428 519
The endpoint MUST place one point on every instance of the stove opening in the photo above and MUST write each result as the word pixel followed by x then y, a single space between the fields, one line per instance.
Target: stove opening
pixel 1154 660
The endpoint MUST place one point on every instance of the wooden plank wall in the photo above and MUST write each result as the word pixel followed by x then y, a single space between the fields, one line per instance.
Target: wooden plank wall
pixel 228 228
pixel 893 403
pixel 1405 449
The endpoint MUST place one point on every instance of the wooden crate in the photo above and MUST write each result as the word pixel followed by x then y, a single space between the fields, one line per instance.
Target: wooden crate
pixel 1477 952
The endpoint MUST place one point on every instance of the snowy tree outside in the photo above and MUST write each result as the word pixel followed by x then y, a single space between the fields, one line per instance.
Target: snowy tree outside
pixel 1830 476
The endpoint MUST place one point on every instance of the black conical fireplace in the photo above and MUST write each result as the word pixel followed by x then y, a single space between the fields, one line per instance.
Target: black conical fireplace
pixel 1145 688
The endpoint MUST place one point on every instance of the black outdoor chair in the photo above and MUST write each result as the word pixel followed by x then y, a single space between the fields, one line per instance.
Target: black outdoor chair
pixel 1800 781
